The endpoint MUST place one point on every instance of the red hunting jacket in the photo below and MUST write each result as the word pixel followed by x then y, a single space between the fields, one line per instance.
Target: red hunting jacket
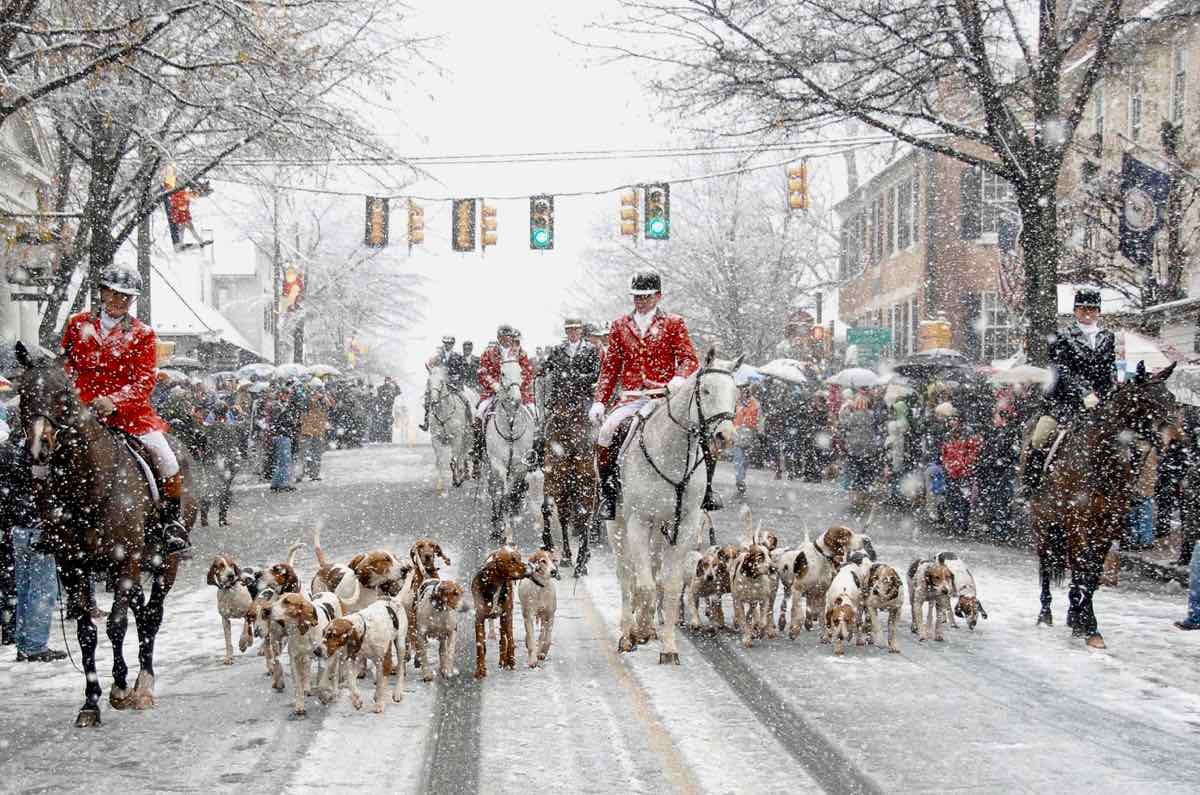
pixel 635 363
pixel 120 366
pixel 489 374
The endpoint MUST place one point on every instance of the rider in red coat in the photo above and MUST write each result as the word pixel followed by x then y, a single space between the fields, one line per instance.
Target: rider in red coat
pixel 649 352
pixel 505 349
pixel 111 357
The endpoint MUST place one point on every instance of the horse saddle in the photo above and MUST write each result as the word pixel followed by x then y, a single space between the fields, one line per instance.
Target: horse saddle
pixel 142 456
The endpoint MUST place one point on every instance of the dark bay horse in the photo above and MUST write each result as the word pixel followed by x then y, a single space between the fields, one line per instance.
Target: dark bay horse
pixel 570 479
pixel 96 507
pixel 1083 504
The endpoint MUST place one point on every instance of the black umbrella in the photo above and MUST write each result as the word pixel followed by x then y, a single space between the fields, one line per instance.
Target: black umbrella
pixel 936 363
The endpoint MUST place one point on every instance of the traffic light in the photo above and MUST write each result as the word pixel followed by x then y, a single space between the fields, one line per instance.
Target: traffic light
pixel 487 225
pixel 376 234
pixel 797 185
pixel 658 211
pixel 541 222
pixel 462 225
pixel 629 212
pixel 416 224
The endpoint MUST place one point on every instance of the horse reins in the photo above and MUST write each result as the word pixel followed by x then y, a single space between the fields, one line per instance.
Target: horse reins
pixel 694 431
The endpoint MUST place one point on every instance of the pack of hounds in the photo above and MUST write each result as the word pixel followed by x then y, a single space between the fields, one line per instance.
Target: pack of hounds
pixel 834 582
pixel 381 609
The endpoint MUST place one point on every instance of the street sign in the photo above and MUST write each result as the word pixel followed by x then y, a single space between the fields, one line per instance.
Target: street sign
pixel 870 343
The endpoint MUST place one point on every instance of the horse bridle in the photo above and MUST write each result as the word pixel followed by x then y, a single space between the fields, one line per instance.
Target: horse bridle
pixel 697 431
pixel 443 391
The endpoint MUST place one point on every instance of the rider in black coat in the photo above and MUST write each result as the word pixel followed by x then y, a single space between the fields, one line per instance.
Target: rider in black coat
pixel 571 370
pixel 1084 361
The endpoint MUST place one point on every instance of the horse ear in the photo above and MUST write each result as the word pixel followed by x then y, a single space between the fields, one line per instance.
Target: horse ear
pixel 22 353
pixel 738 361
pixel 710 356
pixel 1165 373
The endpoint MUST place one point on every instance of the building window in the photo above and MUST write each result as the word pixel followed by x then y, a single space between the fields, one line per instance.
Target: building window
pixel 904 214
pixel 915 183
pixel 999 337
pixel 997 199
pixel 1098 109
pixel 1178 82
pixel 1135 110
pixel 889 232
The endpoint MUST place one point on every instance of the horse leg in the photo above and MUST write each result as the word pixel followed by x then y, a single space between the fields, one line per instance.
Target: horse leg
pixel 1089 583
pixel 118 622
pixel 1045 616
pixel 79 603
pixel 547 535
pixel 1075 600
pixel 148 614
pixel 672 589
pixel 580 520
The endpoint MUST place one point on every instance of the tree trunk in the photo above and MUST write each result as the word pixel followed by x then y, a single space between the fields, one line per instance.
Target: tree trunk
pixel 1042 248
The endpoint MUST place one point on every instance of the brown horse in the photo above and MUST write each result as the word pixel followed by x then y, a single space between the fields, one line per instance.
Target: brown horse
pixel 1082 507
pixel 570 480
pixel 97 506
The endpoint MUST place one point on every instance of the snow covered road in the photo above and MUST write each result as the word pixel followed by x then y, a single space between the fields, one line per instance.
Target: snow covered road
pixel 1007 708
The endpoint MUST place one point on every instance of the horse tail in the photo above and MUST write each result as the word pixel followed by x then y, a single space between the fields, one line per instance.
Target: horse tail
pixel 292 550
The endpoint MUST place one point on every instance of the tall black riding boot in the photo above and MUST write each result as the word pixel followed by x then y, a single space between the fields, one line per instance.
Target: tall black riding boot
pixel 610 484
pixel 174 534
pixel 425 417
pixel 712 501
pixel 1031 473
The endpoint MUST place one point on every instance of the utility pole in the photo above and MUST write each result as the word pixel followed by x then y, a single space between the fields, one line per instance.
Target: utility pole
pixel 298 334
pixel 276 276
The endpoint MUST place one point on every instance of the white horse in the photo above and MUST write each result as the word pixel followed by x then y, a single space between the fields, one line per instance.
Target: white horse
pixel 449 429
pixel 509 437
pixel 663 480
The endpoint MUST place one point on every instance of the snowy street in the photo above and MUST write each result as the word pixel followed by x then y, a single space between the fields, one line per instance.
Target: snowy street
pixel 1006 708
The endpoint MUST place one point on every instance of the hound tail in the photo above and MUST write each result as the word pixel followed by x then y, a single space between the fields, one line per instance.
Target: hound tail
pixel 292 550
pixel 322 562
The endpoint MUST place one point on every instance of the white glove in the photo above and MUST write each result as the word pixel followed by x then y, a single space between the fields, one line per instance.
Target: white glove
pixel 1091 400
pixel 596 413
pixel 676 383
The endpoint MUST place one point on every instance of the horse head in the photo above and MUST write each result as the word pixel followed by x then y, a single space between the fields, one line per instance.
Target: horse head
pixel 716 398
pixel 1143 405
pixel 511 378
pixel 49 402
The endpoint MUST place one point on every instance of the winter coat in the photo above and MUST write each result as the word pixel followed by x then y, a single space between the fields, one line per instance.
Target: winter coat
pixel 1080 369
pixel 858 433
pixel 119 365
pixel 316 417
pixel 18 507
pixel 636 363
pixel 570 380
pixel 959 456
pixel 489 374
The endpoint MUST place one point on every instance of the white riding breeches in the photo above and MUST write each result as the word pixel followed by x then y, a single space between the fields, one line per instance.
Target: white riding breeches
pixel 483 407
pixel 165 462
pixel 639 405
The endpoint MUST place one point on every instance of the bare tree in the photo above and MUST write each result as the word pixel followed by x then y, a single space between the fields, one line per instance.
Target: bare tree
pixel 275 79
pixel 998 84
pixel 735 262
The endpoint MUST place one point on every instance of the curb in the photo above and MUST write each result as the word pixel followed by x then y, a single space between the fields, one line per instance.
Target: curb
pixel 1154 569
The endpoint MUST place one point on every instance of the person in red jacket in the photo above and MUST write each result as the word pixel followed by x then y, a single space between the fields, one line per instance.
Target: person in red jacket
pixel 649 353
pixel 111 357
pixel 507 348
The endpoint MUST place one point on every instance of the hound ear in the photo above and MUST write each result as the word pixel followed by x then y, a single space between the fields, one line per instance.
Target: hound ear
pixel 212 570
pixel 441 554
pixel 710 356
pixel 1165 373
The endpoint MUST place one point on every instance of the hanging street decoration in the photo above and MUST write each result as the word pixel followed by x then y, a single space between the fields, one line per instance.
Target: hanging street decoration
pixel 177 203
pixel 541 222
pixel 1144 192
pixel 462 225
pixel 376 235
pixel 658 211
pixel 292 290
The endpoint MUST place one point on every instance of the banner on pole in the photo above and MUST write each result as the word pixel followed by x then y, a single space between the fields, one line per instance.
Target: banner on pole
pixel 1144 192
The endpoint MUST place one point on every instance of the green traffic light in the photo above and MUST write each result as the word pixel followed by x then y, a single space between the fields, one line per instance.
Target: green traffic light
pixel 658 227
pixel 541 237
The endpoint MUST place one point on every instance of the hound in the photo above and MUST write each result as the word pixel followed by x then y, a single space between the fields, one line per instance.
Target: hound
pixel 492 593
pixel 539 603
pixel 233 600
pixel 929 582
pixel 883 590
pixel 437 607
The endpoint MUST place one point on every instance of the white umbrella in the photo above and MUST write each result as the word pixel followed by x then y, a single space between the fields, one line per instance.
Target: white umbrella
pixel 258 387
pixel 1023 374
pixel 855 377
pixel 184 363
pixel 257 370
pixel 291 370
pixel 1184 384
pixel 789 370
pixel 322 370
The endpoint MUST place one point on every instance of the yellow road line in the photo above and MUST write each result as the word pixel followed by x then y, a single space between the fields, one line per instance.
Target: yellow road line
pixel 675 768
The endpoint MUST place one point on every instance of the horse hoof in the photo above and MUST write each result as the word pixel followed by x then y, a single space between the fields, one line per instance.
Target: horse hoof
pixel 120 699
pixel 581 571
pixel 89 717
pixel 668 658
pixel 1096 641
pixel 142 701
pixel 1045 619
